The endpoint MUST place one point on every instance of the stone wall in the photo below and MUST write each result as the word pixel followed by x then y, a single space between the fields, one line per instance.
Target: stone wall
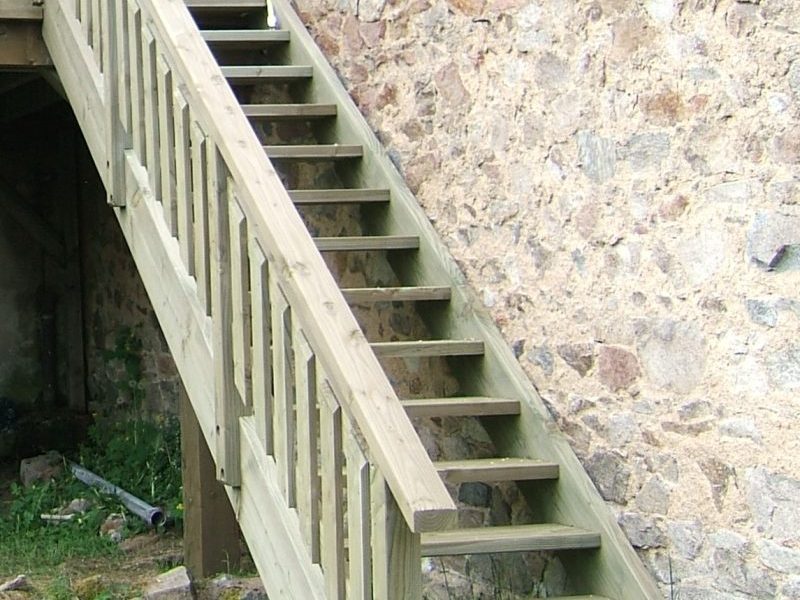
pixel 620 183
pixel 129 366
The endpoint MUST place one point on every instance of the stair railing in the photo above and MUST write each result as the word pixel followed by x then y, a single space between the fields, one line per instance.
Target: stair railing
pixel 291 366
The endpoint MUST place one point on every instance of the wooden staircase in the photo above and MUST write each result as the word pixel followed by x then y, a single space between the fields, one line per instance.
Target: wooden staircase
pixel 316 450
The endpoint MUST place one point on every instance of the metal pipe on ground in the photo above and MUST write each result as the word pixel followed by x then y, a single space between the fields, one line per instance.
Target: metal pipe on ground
pixel 152 515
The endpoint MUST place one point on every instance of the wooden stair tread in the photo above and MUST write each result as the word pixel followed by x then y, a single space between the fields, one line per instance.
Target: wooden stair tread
pixel 510 538
pixel 289 111
pixel 468 406
pixel 428 348
pixel 343 196
pixel 376 242
pixel 247 37
pixel 238 5
pixel 397 294
pixel 489 470
pixel 254 74
pixel 589 597
pixel 315 151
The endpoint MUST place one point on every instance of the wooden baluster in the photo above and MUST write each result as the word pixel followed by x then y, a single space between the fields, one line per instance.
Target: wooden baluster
pixel 283 417
pixel 396 551
pixel 135 44
pixel 183 179
pixel 122 59
pixel 86 20
pixel 262 344
pixel 228 405
pixel 150 67
pixel 332 522
pixel 240 288
pixel 308 483
pixel 359 524
pixel 166 148
pixel 116 138
pixel 96 33
pixel 202 262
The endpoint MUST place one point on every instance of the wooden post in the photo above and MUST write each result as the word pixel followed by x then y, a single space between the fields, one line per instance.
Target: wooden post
pixel 210 531
pixel 115 135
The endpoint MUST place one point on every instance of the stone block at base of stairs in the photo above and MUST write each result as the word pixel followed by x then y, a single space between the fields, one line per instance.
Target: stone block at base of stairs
pixel 172 585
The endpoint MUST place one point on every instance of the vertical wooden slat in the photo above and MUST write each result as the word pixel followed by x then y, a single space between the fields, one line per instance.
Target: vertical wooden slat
pixel 96 33
pixel 228 405
pixel 359 524
pixel 332 521
pixel 183 179
pixel 115 135
pixel 262 344
pixel 201 273
pixel 124 67
pixel 135 42
pixel 86 20
pixel 150 92
pixel 308 484
pixel 166 150
pixel 240 289
pixel 396 551
pixel 283 417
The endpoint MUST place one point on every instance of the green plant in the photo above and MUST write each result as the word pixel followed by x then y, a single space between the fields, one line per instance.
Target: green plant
pixel 127 353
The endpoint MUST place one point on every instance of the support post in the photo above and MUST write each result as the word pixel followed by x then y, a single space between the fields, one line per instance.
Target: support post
pixel 211 533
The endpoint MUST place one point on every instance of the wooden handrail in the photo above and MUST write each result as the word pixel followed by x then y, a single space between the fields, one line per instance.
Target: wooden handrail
pixel 175 56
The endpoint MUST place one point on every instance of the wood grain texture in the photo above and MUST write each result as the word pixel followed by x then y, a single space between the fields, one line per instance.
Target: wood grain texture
pixel 314 151
pixel 356 243
pixel 511 538
pixel 396 294
pixel 428 348
pixel 240 75
pixel 245 37
pixel 468 406
pixel 489 470
pixel 344 196
pixel 262 345
pixel 284 112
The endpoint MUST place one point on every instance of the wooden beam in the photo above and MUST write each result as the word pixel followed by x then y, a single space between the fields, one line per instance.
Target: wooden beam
pixel 210 531
pixel 22 46
pixel 19 209
pixel 29 10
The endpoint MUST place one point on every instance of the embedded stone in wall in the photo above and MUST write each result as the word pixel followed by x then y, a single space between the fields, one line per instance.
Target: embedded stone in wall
pixel 762 312
pixel 783 367
pixel 610 474
pixel 654 496
pixel 597 155
pixel 642 531
pixel 645 150
pixel 686 537
pixel 772 498
pixel 578 356
pixel 617 368
pixel 451 88
pixel 772 241
pixel 673 354
pixel 779 558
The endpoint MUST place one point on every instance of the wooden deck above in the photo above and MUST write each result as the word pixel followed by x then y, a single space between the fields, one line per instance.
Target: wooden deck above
pixel 21 43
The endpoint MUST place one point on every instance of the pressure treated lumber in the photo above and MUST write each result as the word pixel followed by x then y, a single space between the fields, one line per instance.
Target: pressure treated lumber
pixel 237 5
pixel 340 196
pixel 376 242
pixel 490 470
pixel 428 348
pixel 396 294
pixel 510 538
pixel 315 151
pixel 23 10
pixel 248 38
pixel 283 112
pixel 242 75
pixel 461 407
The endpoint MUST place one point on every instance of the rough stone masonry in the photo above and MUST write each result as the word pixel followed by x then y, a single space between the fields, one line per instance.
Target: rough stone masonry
pixel 621 182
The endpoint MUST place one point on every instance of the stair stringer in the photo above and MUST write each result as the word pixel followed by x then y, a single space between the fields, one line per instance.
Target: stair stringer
pixel 614 570
pixel 173 293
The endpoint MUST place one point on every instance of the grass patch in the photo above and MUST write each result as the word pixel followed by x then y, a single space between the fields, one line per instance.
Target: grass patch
pixel 141 457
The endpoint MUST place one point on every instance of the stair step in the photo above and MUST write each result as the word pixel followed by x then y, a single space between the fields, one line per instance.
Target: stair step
pixel 428 348
pixel 377 242
pixel 344 196
pixel 510 538
pixel 247 38
pixel 277 112
pixel 491 470
pixel 396 294
pixel 589 597
pixel 315 151
pixel 469 406
pixel 241 75
pixel 237 5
